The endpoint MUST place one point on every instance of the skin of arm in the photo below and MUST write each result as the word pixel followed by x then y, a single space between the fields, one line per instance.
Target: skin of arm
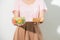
pixel 15 14
pixel 41 16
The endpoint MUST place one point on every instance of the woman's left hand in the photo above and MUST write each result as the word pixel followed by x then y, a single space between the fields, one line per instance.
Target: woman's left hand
pixel 38 20
pixel 41 19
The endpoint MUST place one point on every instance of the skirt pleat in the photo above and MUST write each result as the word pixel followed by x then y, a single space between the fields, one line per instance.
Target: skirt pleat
pixel 29 31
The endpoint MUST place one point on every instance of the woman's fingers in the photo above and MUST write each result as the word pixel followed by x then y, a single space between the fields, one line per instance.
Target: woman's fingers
pixel 19 25
pixel 41 19
pixel 36 19
pixel 14 21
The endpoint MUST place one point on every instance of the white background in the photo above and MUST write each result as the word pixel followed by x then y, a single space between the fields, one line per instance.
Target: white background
pixel 7 29
pixel 56 2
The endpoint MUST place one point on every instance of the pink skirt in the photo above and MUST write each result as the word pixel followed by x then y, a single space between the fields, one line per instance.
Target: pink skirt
pixel 29 31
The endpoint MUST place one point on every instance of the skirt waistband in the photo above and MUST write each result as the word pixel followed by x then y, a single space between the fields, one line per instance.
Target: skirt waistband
pixel 29 24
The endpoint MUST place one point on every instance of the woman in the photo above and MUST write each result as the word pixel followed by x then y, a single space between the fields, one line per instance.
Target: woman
pixel 33 11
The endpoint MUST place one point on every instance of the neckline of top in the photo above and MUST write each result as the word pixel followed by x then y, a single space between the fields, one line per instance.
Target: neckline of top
pixel 29 4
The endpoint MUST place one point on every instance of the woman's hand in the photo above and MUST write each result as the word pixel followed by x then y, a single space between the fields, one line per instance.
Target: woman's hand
pixel 38 20
pixel 19 25
pixel 41 19
pixel 41 16
pixel 15 13
pixel 14 22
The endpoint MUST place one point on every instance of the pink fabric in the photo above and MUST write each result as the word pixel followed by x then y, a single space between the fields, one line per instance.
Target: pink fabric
pixel 30 11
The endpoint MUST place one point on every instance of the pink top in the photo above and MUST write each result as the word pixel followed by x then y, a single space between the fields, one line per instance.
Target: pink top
pixel 30 11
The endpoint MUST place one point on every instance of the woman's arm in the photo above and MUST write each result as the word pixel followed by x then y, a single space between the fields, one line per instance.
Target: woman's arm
pixel 40 18
pixel 42 11
pixel 41 15
pixel 15 15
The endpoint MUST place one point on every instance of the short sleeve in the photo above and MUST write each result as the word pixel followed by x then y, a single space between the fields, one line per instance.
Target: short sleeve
pixel 42 5
pixel 16 5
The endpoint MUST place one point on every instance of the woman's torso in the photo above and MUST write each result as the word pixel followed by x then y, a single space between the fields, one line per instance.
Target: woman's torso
pixel 29 11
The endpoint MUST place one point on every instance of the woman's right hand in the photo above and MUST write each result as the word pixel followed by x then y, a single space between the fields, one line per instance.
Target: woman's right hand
pixel 15 13
pixel 14 21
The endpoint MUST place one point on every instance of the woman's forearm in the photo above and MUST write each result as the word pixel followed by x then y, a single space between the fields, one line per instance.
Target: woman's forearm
pixel 15 13
pixel 41 16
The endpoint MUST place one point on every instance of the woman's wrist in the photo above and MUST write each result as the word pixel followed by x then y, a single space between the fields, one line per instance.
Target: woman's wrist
pixel 41 19
pixel 36 20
